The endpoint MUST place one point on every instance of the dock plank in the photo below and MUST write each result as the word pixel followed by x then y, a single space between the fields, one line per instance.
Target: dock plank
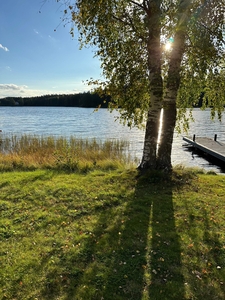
pixel 214 148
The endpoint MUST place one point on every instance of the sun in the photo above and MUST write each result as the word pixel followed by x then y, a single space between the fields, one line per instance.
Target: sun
pixel 168 46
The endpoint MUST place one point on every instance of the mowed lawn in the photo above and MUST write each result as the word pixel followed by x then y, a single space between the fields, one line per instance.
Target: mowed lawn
pixel 112 235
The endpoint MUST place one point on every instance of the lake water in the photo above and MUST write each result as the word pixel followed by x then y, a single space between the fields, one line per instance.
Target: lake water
pixel 84 123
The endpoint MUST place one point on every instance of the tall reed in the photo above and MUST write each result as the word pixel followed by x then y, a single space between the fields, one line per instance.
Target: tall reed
pixel 30 152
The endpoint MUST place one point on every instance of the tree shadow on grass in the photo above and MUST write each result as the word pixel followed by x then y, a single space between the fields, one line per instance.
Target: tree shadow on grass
pixel 109 261
pixel 167 280
pixel 133 251
pixel 123 245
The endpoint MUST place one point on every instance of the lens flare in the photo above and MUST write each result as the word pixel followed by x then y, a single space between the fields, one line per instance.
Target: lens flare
pixel 169 44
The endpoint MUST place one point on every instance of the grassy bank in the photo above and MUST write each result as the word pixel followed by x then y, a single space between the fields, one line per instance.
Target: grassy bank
pixel 111 235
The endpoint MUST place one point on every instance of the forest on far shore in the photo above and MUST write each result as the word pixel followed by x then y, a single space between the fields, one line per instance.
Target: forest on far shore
pixel 86 99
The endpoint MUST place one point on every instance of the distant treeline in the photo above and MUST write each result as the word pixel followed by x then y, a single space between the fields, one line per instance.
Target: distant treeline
pixel 87 99
pixel 77 100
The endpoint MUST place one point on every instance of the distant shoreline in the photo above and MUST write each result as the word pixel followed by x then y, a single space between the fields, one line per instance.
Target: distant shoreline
pixel 88 100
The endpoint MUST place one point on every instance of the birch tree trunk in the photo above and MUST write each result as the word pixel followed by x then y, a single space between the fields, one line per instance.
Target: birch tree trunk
pixel 172 86
pixel 149 158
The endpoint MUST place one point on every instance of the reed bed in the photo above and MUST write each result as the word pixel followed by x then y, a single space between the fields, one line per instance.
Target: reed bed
pixel 30 152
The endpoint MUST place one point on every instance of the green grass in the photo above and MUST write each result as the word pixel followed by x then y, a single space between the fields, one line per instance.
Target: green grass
pixel 112 235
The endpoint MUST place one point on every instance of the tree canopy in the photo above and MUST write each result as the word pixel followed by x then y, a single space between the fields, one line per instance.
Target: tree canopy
pixel 155 54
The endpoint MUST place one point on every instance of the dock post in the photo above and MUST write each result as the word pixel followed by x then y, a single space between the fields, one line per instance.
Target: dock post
pixel 215 137
pixel 194 138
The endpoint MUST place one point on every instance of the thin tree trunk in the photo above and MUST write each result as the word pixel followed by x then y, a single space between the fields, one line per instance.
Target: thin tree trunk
pixel 169 103
pixel 166 138
pixel 172 86
pixel 149 158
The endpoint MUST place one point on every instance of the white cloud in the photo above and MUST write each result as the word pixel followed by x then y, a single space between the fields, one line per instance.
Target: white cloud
pixel 4 48
pixel 12 87
pixel 13 90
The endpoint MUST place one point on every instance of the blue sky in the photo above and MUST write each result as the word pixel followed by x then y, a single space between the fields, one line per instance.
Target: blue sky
pixel 34 58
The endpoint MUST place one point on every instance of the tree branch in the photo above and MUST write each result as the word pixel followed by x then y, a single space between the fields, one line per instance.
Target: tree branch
pixel 210 31
pixel 138 4
pixel 128 22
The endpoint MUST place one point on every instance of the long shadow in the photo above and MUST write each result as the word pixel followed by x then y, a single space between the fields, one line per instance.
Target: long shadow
pixel 167 281
pixel 132 253
pixel 130 262
pixel 112 259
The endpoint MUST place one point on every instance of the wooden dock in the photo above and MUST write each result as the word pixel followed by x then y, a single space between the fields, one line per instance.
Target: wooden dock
pixel 209 146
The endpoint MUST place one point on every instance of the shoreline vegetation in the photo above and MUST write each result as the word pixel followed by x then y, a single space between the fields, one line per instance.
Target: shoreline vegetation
pixel 77 222
pixel 31 152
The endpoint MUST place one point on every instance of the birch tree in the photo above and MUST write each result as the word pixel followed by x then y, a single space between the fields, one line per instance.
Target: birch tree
pixel 155 54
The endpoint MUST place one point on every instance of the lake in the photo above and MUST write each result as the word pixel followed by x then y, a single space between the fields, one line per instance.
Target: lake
pixel 85 123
